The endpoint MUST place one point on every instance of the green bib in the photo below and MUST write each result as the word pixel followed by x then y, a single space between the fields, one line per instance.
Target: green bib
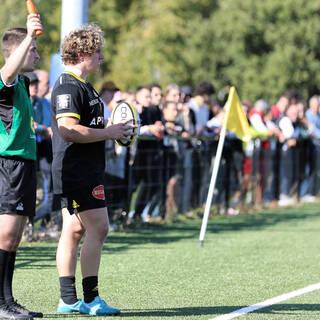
pixel 20 140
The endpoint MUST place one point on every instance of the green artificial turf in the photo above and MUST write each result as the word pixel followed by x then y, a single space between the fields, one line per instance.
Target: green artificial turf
pixel 159 272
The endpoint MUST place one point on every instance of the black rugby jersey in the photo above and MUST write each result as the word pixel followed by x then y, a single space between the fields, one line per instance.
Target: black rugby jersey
pixel 76 165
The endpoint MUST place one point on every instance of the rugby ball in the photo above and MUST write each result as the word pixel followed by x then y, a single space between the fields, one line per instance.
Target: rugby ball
pixel 122 112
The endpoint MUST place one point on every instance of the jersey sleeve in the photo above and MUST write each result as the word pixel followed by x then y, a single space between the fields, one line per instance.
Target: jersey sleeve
pixel 4 85
pixel 67 101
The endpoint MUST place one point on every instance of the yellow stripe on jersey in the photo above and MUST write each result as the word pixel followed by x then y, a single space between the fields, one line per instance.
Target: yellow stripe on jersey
pixel 68 114
pixel 77 77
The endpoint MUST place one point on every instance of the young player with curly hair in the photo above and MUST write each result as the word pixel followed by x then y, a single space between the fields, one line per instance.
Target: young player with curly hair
pixel 79 134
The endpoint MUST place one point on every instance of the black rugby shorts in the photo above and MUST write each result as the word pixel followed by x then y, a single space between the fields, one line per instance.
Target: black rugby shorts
pixel 91 197
pixel 18 186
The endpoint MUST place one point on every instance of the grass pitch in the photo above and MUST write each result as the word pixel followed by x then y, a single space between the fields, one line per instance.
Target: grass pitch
pixel 159 272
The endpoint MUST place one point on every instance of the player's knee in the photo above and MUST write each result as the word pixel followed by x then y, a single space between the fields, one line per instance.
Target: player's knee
pixel 9 243
pixel 78 234
pixel 102 231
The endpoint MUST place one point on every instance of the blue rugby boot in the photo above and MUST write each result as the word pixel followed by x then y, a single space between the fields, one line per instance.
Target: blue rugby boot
pixel 98 307
pixel 63 307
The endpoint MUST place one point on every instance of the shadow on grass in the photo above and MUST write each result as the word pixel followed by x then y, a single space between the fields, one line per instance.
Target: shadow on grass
pixel 259 221
pixel 36 257
pixel 219 310
pixel 65 315
pixel 289 309
pixel 42 255
pixel 161 234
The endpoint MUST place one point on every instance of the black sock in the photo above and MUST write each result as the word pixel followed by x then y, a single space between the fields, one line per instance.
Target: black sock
pixel 8 276
pixel 68 290
pixel 3 262
pixel 90 288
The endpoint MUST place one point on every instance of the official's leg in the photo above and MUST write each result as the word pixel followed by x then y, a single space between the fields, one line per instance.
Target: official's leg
pixel 9 241
pixel 10 236
pixel 17 203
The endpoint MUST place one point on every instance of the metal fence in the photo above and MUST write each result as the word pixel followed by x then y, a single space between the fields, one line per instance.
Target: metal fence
pixel 172 175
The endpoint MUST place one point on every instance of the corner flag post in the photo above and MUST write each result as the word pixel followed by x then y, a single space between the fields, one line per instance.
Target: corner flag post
pixel 236 121
pixel 212 185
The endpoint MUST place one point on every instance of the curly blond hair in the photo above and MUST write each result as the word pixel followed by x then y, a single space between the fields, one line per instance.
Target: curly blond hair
pixel 85 41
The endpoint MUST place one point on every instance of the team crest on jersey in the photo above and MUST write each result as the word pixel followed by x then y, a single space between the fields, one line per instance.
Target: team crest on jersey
pixel 63 101
pixel 98 192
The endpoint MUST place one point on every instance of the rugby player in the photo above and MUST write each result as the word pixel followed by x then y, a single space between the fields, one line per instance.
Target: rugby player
pixel 79 132
pixel 17 156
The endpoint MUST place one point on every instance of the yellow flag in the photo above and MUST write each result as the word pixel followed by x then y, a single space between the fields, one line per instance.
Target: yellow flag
pixel 235 119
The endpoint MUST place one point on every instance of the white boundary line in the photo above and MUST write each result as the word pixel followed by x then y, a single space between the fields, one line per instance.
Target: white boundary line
pixel 267 303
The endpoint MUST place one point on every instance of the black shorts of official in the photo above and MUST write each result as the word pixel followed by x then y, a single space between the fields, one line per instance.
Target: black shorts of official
pixel 88 198
pixel 18 186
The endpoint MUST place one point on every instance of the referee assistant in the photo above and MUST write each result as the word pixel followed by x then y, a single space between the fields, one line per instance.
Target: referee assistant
pixel 17 156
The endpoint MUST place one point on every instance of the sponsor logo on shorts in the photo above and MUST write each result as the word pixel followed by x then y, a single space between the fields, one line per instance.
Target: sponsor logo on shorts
pixel 20 207
pixel 75 205
pixel 98 192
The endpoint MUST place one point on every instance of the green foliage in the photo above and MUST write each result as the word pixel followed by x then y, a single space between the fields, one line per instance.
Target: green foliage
pixel 153 46
pixel 13 13
pixel 264 48
pixel 261 47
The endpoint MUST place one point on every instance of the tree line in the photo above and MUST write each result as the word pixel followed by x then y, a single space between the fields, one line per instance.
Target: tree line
pixel 261 47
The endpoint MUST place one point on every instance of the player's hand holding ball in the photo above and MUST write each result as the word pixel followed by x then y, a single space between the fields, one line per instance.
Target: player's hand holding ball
pixel 125 117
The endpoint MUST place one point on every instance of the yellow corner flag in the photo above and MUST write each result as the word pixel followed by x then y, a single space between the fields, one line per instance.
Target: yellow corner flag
pixel 235 119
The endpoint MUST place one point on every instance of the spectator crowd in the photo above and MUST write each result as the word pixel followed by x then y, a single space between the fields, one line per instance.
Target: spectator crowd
pixel 167 171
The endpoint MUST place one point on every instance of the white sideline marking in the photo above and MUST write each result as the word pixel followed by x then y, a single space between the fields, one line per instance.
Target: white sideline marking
pixel 269 302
